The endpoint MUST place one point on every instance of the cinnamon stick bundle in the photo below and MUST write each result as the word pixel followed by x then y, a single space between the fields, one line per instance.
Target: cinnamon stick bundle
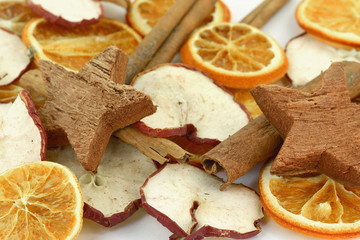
pixel 259 141
pixel 193 19
pixel 165 39
pixel 152 42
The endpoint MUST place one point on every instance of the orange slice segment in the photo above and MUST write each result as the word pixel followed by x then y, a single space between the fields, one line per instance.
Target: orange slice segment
pixel 221 13
pixel 336 21
pixel 73 47
pixel 236 55
pixel 244 96
pixel 144 14
pixel 14 15
pixel 316 206
pixel 40 200
pixel 9 93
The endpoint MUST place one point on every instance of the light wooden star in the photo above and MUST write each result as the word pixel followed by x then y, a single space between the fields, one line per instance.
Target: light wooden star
pixel 90 105
pixel 321 129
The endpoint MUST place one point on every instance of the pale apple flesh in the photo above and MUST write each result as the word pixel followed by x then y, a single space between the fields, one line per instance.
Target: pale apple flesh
pixel 22 136
pixel 309 56
pixel 189 203
pixel 111 195
pixel 14 57
pixel 189 103
pixel 68 13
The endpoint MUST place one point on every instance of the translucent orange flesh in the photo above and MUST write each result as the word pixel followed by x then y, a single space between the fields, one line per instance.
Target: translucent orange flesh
pixel 319 199
pixel 244 96
pixel 153 10
pixel 234 48
pixel 8 93
pixel 36 203
pixel 335 15
pixel 18 10
pixel 73 47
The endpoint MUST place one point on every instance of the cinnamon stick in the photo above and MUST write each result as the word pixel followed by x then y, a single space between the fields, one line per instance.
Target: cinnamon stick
pixel 192 20
pixel 255 12
pixel 152 42
pixel 161 150
pixel 258 141
pixel 262 13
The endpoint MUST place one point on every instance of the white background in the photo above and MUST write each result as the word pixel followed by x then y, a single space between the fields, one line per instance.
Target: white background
pixel 141 226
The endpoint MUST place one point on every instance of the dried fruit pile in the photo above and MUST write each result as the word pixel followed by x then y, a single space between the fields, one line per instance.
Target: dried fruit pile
pixel 61 158
pixel 332 34
pixel 77 82
pixel 312 186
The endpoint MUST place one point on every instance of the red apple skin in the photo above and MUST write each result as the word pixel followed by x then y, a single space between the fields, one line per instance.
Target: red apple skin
pixel 25 97
pixel 208 231
pixel 97 216
pixel 185 136
pixel 194 144
pixel 164 133
pixel 160 217
pixel 59 20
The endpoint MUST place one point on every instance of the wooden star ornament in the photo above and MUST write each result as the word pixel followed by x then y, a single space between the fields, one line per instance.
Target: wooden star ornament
pixel 91 104
pixel 321 129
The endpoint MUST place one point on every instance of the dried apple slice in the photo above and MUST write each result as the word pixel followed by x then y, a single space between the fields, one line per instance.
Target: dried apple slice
pixel 188 103
pixel 68 13
pixel 22 137
pixel 189 203
pixel 308 57
pixel 14 57
pixel 111 194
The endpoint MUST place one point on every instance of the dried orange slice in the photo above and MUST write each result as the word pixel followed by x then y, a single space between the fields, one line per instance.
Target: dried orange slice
pixel 73 47
pixel 9 93
pixel 221 13
pixel 14 15
pixel 236 55
pixel 316 206
pixel 40 200
pixel 144 14
pixel 244 96
pixel 336 21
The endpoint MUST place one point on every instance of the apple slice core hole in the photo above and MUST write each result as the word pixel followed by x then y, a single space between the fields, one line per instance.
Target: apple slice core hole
pixel 91 178
pixel 85 179
pixel 99 181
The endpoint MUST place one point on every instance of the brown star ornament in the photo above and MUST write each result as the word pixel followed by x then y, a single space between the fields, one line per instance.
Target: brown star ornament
pixel 321 129
pixel 90 105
